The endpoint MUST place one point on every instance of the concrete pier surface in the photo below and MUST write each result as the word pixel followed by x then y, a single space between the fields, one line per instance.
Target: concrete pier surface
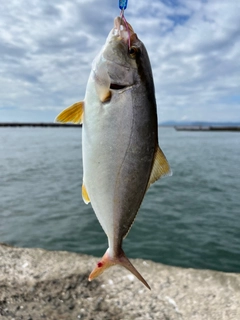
pixel 39 284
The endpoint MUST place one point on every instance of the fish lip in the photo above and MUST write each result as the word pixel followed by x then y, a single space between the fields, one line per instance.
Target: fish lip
pixel 118 22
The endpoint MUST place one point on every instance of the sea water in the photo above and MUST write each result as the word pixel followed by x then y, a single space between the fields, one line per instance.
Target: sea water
pixel 191 219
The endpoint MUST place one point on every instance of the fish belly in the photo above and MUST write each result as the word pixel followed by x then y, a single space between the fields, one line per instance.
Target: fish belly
pixel 118 149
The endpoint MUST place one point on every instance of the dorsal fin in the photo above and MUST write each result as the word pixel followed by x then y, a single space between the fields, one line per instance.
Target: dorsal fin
pixel 160 167
pixel 73 114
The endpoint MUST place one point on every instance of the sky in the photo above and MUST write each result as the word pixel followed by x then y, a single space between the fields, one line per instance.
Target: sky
pixel 46 50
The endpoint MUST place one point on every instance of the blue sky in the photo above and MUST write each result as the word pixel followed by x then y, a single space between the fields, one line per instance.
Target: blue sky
pixel 46 50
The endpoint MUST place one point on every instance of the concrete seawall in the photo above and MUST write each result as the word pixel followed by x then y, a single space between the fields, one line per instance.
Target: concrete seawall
pixel 39 284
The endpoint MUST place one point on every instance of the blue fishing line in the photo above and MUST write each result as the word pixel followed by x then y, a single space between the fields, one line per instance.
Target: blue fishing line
pixel 123 4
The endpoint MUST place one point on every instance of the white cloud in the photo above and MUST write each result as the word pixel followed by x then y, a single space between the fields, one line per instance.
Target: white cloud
pixel 198 66
pixel 47 48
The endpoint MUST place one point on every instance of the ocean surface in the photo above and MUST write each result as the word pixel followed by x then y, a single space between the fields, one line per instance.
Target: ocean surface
pixel 191 219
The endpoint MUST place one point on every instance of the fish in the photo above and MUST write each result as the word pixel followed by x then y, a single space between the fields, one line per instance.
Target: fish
pixel 120 149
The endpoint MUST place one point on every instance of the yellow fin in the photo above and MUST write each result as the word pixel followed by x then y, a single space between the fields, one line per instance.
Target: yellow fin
pixel 160 167
pixel 73 114
pixel 85 195
pixel 105 95
pixel 102 83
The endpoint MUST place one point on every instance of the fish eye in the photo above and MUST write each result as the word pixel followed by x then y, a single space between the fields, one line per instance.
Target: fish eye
pixel 133 51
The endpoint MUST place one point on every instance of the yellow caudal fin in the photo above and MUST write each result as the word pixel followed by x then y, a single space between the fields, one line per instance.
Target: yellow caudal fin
pixel 107 261
pixel 160 168
pixel 73 114
pixel 85 195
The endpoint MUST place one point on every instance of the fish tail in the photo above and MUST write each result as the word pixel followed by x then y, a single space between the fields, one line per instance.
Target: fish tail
pixel 107 261
pixel 125 262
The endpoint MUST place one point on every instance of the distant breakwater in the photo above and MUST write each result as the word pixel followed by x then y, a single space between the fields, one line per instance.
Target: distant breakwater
pixel 210 128
pixel 40 124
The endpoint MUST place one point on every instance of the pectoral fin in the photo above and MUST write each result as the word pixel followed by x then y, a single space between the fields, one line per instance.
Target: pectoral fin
pixel 160 168
pixel 104 95
pixel 73 114
pixel 85 195
pixel 102 84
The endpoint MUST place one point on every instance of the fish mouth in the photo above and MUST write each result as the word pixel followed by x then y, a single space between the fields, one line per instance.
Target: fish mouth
pixel 124 30
pixel 119 24
pixel 116 86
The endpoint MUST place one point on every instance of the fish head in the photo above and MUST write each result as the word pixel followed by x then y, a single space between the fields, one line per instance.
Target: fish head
pixel 122 44
pixel 122 58
pixel 121 62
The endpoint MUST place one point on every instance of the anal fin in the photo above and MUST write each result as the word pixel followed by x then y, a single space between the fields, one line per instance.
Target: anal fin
pixel 85 195
pixel 73 114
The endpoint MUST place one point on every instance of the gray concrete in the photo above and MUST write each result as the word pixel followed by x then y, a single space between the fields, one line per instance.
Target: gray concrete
pixel 38 284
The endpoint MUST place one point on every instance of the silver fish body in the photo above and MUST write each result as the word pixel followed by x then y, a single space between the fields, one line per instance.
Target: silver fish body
pixel 121 156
